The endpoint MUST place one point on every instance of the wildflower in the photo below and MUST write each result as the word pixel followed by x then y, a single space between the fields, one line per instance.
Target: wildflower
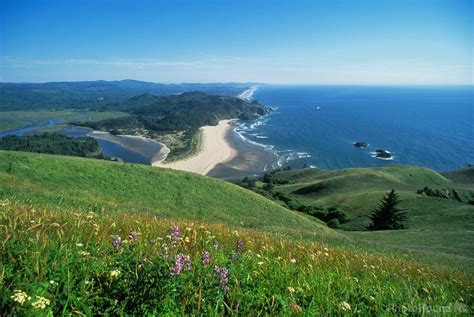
pixel 205 258
pixel 117 242
pixel 164 252
pixel 345 306
pixel 52 282
pixel 180 261
pixel 133 236
pixel 40 303
pixel 114 273
pixel 291 290
pixel 187 240
pixel 223 279
pixel 293 260
pixel 174 234
pixel 240 245
pixel 20 296
pixel 296 308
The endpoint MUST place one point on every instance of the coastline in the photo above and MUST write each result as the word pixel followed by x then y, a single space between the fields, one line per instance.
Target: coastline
pixel 216 149
pixel 247 94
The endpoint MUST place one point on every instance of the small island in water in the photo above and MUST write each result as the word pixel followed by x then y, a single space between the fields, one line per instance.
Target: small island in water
pixel 383 154
pixel 361 145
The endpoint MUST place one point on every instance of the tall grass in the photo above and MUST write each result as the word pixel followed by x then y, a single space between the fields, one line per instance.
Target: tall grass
pixel 62 262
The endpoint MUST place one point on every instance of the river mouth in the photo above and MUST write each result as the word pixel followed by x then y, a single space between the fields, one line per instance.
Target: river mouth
pixel 108 148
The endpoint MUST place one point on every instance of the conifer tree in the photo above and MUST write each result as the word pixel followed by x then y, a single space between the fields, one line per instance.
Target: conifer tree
pixel 388 216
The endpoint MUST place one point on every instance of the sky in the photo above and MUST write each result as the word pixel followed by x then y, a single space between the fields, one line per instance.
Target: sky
pixel 420 42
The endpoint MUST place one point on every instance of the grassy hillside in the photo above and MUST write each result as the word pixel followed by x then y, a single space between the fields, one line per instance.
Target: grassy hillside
pixel 65 183
pixel 439 229
pixel 76 263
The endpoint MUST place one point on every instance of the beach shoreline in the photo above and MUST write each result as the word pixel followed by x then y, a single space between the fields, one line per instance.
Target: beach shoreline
pixel 247 94
pixel 216 149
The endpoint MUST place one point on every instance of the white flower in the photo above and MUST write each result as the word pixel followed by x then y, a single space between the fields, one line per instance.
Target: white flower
pixel 40 303
pixel 20 296
pixel 293 260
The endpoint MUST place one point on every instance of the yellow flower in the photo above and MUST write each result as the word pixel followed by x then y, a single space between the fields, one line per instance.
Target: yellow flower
pixel 345 306
pixel 114 273
pixel 291 290
pixel 40 303
pixel 20 296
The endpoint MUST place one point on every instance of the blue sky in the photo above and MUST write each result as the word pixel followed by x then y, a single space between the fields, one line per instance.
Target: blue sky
pixel 293 42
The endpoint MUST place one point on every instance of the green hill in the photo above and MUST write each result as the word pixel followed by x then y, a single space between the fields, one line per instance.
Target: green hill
pixel 59 215
pixel 59 183
pixel 440 223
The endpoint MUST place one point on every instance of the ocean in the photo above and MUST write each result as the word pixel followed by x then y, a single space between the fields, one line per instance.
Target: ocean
pixel 317 125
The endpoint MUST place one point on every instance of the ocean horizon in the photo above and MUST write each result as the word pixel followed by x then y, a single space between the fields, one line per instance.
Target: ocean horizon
pixel 317 126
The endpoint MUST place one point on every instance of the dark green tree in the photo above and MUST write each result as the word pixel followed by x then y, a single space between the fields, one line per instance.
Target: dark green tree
pixel 388 216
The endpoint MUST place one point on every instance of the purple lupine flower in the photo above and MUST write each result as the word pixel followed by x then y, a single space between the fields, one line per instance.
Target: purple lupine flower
pixel 240 245
pixel 117 242
pixel 205 258
pixel 175 234
pixel 180 261
pixel 133 236
pixel 224 280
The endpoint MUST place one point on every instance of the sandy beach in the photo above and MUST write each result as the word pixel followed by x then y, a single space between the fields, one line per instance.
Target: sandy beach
pixel 216 148
pixel 247 94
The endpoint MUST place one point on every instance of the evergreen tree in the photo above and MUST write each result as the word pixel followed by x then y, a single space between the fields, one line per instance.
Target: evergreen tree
pixel 388 216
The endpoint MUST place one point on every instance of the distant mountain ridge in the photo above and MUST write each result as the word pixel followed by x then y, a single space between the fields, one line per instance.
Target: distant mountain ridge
pixel 93 94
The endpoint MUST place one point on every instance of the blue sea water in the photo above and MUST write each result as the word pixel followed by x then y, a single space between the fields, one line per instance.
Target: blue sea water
pixel 426 126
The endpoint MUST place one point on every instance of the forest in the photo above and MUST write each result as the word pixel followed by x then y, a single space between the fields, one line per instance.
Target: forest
pixel 53 143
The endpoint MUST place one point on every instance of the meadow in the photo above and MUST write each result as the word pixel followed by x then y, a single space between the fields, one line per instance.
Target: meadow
pixel 440 230
pixel 86 263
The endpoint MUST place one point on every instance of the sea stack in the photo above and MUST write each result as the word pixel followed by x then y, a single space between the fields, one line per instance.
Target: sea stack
pixel 383 154
pixel 361 145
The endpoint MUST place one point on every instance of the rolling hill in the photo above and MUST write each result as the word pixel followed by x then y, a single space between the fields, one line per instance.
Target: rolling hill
pixel 440 223
pixel 70 183
pixel 89 237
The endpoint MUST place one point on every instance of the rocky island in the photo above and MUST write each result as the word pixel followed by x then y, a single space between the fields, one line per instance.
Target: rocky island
pixel 382 154
pixel 361 145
